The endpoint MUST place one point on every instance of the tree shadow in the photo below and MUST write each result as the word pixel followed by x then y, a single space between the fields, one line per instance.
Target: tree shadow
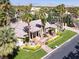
pixel 15 52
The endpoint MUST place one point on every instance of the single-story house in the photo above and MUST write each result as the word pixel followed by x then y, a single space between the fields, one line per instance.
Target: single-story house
pixel 35 28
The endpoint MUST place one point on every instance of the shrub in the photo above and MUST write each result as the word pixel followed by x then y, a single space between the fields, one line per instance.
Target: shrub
pixel 50 40
pixel 59 33
pixel 30 47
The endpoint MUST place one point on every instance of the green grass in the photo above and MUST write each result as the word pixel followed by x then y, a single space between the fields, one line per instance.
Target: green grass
pixel 23 54
pixel 64 37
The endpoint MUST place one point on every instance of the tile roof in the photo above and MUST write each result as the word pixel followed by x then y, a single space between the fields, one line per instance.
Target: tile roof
pixel 19 26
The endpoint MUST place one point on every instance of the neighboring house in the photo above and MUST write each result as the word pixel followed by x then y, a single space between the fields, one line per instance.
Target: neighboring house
pixel 35 9
pixel 67 12
pixel 35 28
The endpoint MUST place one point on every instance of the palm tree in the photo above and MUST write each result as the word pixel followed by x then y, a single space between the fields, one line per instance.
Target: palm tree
pixel 2 18
pixel 7 41
pixel 5 8
pixel 42 16
pixel 28 8
pixel 60 9
pixel 27 18
pixel 8 10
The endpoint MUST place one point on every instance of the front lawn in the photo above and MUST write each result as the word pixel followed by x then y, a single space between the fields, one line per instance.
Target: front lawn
pixel 37 54
pixel 64 37
pixel 23 54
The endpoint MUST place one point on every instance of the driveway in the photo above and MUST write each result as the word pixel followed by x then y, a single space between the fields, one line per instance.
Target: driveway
pixel 64 49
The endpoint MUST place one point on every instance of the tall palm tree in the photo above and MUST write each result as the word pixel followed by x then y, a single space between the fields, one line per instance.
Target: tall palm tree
pixel 60 10
pixel 27 18
pixel 7 41
pixel 42 16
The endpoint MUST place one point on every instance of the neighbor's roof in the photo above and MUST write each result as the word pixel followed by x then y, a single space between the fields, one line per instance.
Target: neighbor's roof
pixel 19 26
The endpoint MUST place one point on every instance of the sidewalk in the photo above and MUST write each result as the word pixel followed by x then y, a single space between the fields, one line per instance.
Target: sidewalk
pixel 46 48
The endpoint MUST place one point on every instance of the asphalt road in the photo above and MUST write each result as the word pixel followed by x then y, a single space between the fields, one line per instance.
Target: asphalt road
pixel 64 49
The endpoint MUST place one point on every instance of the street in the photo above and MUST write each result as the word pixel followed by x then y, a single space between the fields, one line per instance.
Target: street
pixel 64 49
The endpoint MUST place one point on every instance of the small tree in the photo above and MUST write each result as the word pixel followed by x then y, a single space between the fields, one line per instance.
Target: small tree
pixel 68 19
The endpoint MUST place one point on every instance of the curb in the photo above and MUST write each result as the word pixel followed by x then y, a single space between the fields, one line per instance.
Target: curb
pixel 59 46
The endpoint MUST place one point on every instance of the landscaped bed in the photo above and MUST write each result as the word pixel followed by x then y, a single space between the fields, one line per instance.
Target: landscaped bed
pixel 23 54
pixel 61 39
pixel 30 47
pixel 30 52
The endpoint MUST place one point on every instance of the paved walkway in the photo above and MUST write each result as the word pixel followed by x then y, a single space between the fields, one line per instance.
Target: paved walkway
pixel 46 48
